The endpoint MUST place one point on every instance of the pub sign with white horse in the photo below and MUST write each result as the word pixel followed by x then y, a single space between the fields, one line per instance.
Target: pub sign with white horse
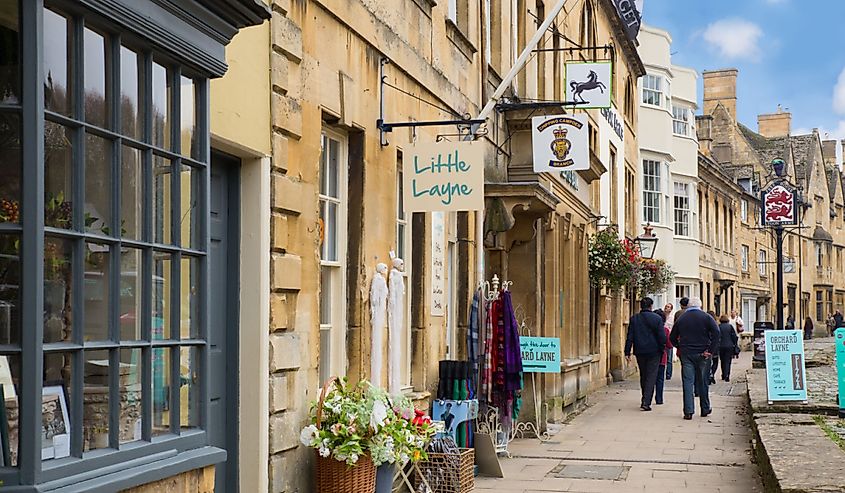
pixel 588 84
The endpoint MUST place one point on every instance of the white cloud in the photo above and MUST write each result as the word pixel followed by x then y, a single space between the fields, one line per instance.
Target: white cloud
pixel 839 94
pixel 735 38
pixel 837 133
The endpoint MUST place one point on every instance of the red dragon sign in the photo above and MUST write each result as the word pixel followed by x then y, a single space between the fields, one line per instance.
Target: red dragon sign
pixel 778 205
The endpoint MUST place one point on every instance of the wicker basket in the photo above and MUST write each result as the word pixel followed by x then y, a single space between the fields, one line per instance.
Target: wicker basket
pixel 448 473
pixel 334 476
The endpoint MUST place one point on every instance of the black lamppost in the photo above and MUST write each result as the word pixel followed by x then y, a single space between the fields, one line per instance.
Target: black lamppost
pixel 779 168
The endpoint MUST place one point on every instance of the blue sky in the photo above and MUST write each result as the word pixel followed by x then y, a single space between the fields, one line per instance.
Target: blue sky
pixel 788 52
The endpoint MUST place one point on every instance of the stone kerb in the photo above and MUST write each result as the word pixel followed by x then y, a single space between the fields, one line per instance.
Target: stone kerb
pixel 794 452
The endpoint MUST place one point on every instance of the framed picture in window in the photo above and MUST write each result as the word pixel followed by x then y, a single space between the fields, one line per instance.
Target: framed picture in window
pixel 55 423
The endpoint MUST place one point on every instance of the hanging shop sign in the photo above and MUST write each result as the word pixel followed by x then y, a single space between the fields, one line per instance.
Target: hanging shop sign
pixel 438 259
pixel 560 142
pixel 446 176
pixel 589 84
pixel 779 202
pixel 839 338
pixel 785 376
pixel 630 11
pixel 540 354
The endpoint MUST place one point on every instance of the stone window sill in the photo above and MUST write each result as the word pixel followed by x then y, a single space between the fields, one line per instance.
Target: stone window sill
pixel 459 39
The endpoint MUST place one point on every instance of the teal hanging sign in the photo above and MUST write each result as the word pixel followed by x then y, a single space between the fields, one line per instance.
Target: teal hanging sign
pixel 785 376
pixel 540 354
pixel 839 337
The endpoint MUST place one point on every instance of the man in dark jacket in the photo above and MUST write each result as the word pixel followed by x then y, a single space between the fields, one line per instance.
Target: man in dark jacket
pixel 697 334
pixel 647 339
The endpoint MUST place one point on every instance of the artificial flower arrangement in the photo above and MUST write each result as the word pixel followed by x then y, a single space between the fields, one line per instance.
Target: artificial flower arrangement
pixel 362 419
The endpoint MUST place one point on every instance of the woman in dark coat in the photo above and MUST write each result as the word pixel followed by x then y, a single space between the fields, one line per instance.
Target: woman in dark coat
pixel 808 328
pixel 727 344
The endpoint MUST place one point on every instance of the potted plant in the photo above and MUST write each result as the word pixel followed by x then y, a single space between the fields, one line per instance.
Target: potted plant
pixel 611 259
pixel 355 428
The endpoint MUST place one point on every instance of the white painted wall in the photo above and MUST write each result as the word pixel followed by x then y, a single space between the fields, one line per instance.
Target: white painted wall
pixel 679 154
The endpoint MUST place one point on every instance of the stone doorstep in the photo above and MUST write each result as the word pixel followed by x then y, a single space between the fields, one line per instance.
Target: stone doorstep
pixel 795 455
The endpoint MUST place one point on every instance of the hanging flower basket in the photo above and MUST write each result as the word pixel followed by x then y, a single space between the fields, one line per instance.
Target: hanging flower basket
pixel 612 261
pixel 653 276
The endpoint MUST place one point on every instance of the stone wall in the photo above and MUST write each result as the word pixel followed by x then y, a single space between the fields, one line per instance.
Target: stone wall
pixel 196 481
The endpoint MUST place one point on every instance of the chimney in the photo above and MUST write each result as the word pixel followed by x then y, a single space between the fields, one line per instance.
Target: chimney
pixel 704 132
pixel 775 124
pixel 720 87
pixel 829 152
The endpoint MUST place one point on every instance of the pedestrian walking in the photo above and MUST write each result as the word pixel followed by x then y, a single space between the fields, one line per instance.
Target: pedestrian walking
pixel 728 346
pixel 736 322
pixel 697 336
pixel 837 321
pixel 661 369
pixel 808 328
pixel 669 321
pixel 790 323
pixel 647 339
pixel 714 362
pixel 684 302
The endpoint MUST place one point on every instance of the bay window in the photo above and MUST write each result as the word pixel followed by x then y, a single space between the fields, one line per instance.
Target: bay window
pixel 652 191
pixel 682 209
pixel 681 121
pixel 103 244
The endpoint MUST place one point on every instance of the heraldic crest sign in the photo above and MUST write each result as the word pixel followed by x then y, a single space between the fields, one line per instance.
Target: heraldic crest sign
pixel 560 142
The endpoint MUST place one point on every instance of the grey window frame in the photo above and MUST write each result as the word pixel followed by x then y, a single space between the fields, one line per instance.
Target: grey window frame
pixel 185 449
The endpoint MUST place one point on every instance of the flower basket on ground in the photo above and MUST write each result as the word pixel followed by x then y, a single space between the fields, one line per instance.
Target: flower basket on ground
pixel 356 428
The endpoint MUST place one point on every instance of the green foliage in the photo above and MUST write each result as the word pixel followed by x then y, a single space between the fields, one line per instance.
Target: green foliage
pixel 611 260
pixel 362 419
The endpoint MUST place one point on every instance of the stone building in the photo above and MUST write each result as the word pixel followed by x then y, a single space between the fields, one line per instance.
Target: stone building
pixel 330 211
pixel 669 162
pixel 813 274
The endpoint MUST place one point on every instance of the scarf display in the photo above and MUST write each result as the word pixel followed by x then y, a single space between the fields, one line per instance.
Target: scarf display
pixel 498 357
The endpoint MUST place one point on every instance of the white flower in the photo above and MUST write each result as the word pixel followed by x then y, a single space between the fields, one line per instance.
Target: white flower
pixel 324 451
pixel 378 415
pixel 308 435
pixel 354 458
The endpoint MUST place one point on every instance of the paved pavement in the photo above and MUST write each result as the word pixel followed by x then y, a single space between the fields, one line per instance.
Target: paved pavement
pixel 615 447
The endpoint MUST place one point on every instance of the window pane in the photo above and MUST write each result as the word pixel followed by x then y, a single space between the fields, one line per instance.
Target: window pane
pixel 162 172
pixel 324 169
pixel 189 390
pixel 130 294
pixel 189 298
pixel 161 391
pixel 95 409
pixel 188 117
pixel 323 230
pixel 55 406
pixel 326 295
pixel 334 171
pixel 400 241
pixel 10 163
pixel 96 292
pixel 130 395
pixel 98 183
pixel 97 64
pixel 162 286
pixel 10 53
pixel 58 175
pixel 331 232
pixel 160 110
pixel 10 386
pixel 10 281
pixel 131 194
pixel 189 217
pixel 131 93
pixel 57 289
pixel 57 59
